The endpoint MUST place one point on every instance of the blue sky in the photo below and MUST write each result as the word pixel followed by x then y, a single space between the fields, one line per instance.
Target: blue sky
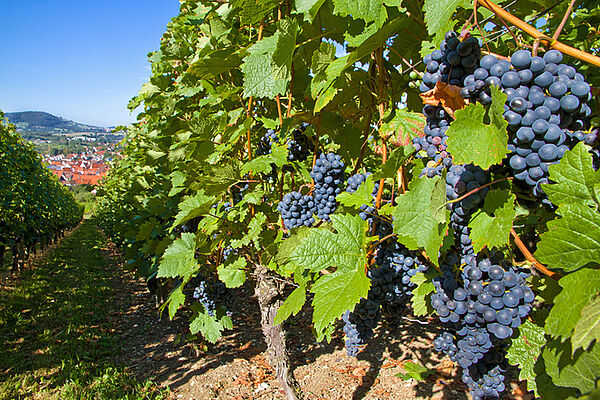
pixel 79 59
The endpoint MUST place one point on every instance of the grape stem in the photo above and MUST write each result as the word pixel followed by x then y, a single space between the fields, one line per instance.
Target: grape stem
pixel 545 40
pixel 564 21
pixel 529 257
pixel 464 196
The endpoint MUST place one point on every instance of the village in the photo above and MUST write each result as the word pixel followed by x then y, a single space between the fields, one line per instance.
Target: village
pixel 86 168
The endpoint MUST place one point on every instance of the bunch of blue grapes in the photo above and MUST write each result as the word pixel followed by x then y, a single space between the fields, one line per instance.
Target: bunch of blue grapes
pixel 454 60
pixel 208 292
pixel 299 146
pixel 482 303
pixel 237 192
pixel 433 143
pixel 328 175
pixel 297 209
pixel 460 180
pixel 546 109
pixel 265 143
pixel 485 379
pixel 360 324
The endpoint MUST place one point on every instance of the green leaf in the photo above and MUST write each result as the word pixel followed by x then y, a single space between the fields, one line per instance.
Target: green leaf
pixel 179 258
pixel 192 207
pixel 335 293
pixel 267 70
pixel 292 305
pixel 253 11
pixel 396 160
pixel 254 231
pixel 176 300
pixel 233 275
pixel 580 371
pixel 571 241
pixel 575 179
pixel 362 196
pixel 210 328
pixel 414 371
pixel 263 164
pixel 472 140
pixel 420 216
pixel 578 288
pixel 420 294
pixel 322 248
pixel 490 226
pixel 525 350
pixel 587 328
pixel 439 12
pixel 367 10
pixel 403 127
pixel 215 63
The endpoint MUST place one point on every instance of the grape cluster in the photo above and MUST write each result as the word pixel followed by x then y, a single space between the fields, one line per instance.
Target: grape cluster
pixel 483 303
pixel 328 174
pixel 298 210
pixel 546 109
pixel 454 60
pixel 265 143
pixel 390 289
pixel 433 144
pixel 460 180
pixel 208 292
pixel 300 146
pixel 486 378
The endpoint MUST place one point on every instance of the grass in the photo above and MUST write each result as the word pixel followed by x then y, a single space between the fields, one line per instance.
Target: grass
pixel 58 334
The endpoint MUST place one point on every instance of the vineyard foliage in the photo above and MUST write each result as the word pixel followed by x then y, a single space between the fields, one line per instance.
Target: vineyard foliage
pixel 230 170
pixel 34 207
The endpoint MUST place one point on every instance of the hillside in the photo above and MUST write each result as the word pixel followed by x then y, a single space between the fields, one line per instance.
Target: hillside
pixel 43 122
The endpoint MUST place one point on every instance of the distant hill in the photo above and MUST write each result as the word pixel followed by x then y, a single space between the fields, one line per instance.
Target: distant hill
pixel 43 122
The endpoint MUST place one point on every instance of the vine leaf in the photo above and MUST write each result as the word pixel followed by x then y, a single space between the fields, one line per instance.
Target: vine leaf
pixel 420 294
pixel 472 140
pixel 267 69
pixel 420 217
pixel 322 248
pixel 363 195
pixel 397 158
pixel 254 231
pixel 253 11
pixel 264 164
pixel 580 371
pixel 587 328
pixel 524 351
pixel 233 274
pixel 345 250
pixel 572 240
pixel 335 293
pixel 403 127
pixel 490 226
pixel 192 207
pixel 292 305
pixel 179 258
pixel 367 10
pixel 414 371
pixel 439 12
pixel 578 288
pixel 575 179
pixel 210 326
pixel 175 300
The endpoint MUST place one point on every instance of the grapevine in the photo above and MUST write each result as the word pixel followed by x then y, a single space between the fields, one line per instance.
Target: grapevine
pixel 397 182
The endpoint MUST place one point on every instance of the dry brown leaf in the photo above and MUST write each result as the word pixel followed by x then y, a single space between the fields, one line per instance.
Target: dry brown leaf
pixel 447 96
